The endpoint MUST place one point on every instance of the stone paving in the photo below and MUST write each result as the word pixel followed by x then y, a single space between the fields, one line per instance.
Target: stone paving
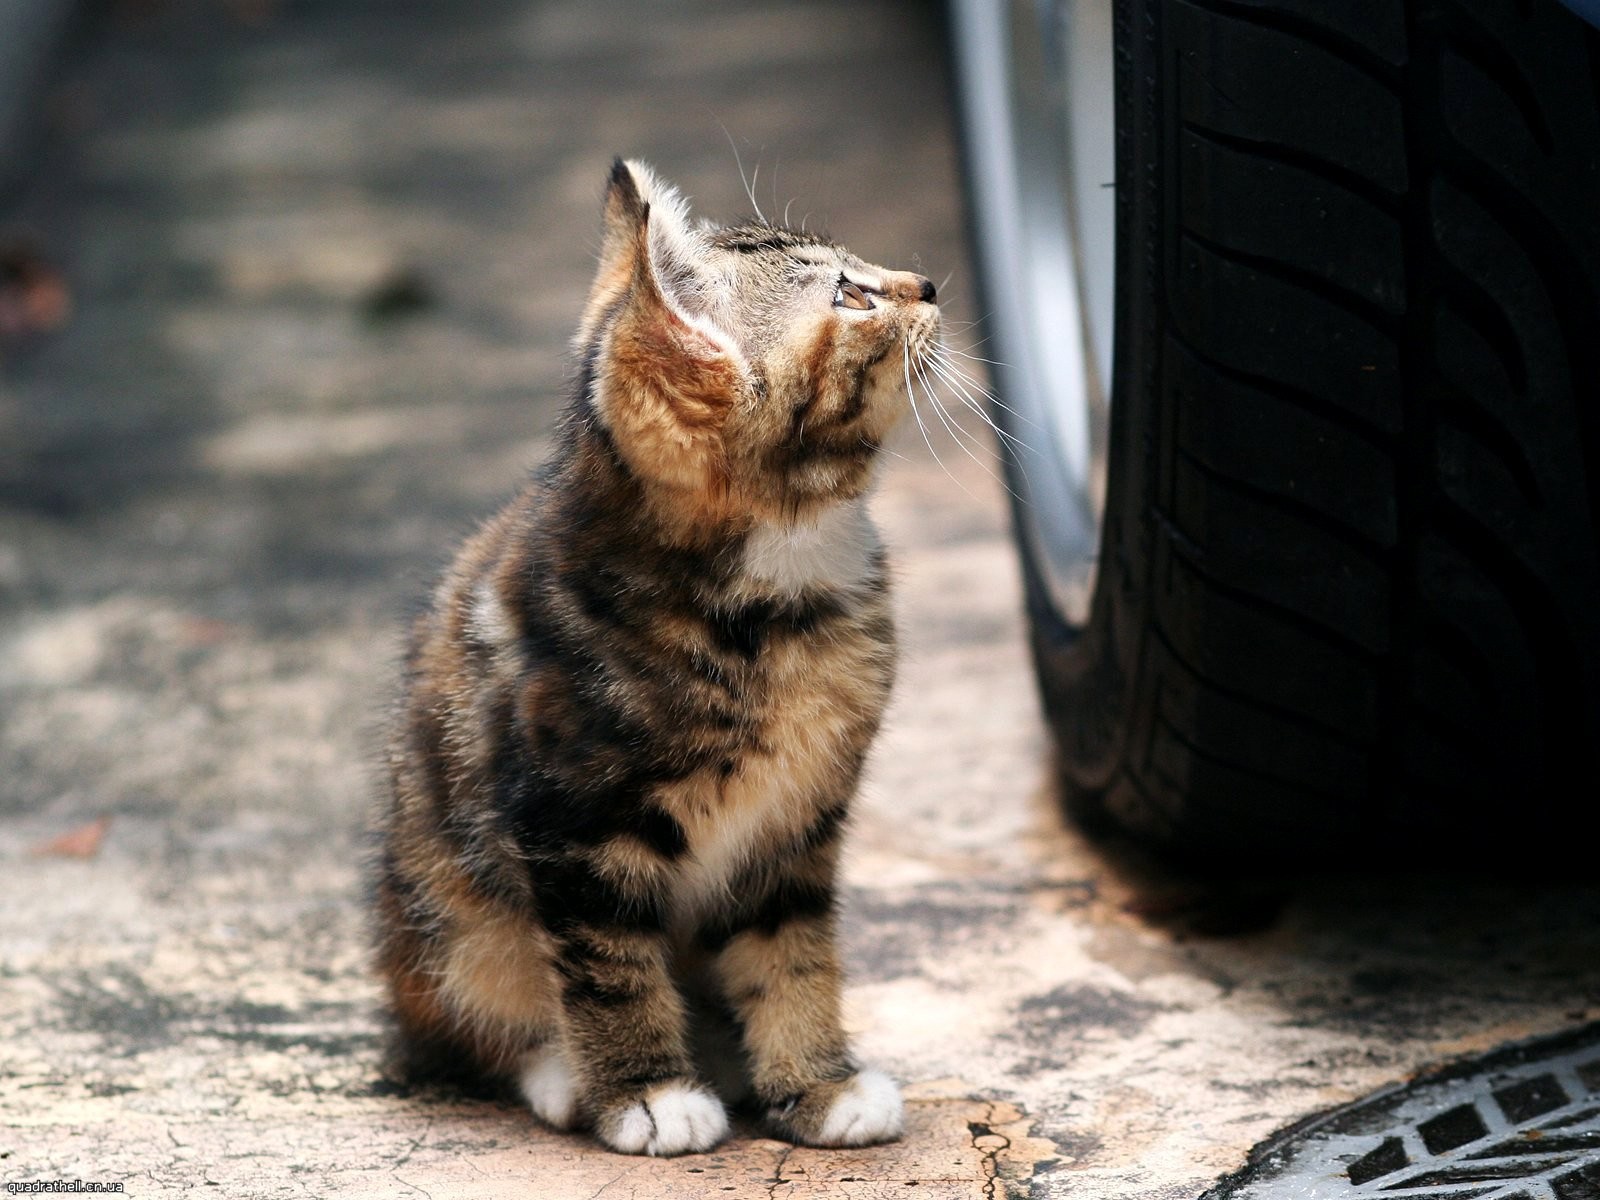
pixel 323 260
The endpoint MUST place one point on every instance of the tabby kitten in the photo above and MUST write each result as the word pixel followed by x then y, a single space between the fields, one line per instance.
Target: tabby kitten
pixel 636 714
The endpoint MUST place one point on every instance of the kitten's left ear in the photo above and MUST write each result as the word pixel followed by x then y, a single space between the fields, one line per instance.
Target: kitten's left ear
pixel 665 375
pixel 647 223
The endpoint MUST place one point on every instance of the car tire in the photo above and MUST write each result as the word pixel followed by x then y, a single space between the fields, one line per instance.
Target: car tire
pixel 1347 599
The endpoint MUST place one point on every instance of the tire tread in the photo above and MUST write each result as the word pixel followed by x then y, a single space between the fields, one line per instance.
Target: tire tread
pixel 1417 655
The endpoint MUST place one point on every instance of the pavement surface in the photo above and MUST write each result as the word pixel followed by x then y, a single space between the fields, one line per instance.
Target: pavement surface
pixel 322 262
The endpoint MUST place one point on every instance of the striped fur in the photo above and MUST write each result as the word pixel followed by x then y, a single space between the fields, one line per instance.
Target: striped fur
pixel 637 709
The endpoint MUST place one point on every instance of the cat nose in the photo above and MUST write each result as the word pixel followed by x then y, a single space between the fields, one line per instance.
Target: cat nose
pixel 908 286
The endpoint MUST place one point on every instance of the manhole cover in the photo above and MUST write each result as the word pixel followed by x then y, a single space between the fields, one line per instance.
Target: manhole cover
pixel 1521 1123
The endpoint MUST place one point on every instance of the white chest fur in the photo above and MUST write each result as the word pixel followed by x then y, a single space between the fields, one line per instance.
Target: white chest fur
pixel 817 694
pixel 833 552
pixel 722 846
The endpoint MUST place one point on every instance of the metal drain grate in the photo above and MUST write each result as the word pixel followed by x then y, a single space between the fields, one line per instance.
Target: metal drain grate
pixel 1522 1123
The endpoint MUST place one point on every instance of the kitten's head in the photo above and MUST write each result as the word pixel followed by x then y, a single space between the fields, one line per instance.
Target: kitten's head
pixel 744 372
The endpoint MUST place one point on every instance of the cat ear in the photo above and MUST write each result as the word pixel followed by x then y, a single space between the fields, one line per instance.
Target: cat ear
pixel 625 211
pixel 647 231
pixel 677 249
pixel 665 376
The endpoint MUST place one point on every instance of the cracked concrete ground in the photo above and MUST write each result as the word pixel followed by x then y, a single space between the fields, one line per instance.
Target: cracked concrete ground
pixel 324 260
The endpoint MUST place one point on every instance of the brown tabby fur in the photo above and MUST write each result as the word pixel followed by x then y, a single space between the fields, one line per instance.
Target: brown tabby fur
pixel 625 754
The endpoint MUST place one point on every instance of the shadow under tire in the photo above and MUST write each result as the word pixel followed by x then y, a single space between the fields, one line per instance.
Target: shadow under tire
pixel 1348 599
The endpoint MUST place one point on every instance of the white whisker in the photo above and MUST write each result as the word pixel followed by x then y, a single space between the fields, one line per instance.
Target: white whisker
pixel 970 383
pixel 957 430
pixel 939 355
pixel 1018 457
pixel 749 184
pixel 966 398
pixel 960 432
pixel 986 337
pixel 885 450
pixel 965 388
pixel 751 189
pixel 911 397
pixel 974 357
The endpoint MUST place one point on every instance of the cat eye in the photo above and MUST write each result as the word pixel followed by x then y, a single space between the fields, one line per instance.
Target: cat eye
pixel 848 295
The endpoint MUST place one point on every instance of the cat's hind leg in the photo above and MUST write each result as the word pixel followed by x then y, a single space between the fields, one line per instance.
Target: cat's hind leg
pixel 548 1084
pixel 473 987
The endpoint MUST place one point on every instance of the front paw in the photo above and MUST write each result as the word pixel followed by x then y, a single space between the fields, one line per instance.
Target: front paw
pixel 672 1118
pixel 858 1111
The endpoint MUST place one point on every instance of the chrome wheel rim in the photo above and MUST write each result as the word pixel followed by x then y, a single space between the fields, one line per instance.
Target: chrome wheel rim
pixel 1038 80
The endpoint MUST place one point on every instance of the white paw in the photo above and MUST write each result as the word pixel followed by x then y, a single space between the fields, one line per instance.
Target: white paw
pixel 677 1119
pixel 548 1086
pixel 869 1110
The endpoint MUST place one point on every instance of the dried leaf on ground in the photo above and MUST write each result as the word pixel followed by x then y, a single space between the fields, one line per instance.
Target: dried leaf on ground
pixel 34 297
pixel 82 842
